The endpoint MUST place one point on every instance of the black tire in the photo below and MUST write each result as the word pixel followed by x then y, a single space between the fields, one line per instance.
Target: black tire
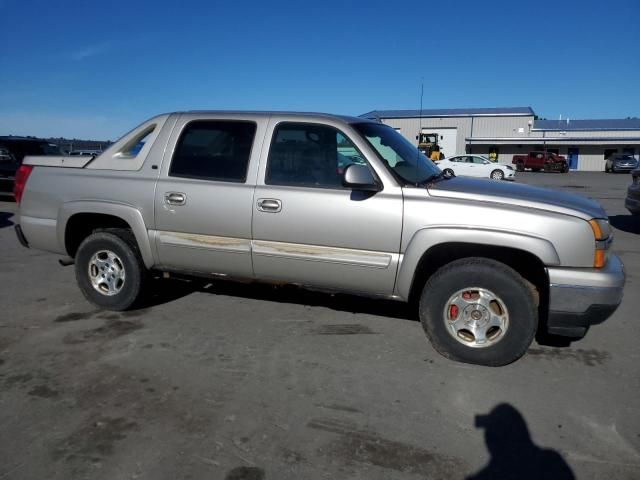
pixel 447 172
pixel 479 273
pixel 565 168
pixel 497 175
pixel 520 166
pixel 122 244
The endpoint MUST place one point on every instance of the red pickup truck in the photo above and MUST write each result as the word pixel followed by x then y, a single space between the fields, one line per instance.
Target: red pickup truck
pixel 536 161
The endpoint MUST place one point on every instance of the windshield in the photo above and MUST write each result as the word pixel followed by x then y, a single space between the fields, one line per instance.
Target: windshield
pixel 402 158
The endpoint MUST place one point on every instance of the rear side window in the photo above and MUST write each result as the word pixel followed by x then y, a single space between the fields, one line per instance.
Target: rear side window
pixel 214 150
pixel 133 146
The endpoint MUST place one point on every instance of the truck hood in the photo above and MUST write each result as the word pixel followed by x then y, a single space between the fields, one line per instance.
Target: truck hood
pixel 480 190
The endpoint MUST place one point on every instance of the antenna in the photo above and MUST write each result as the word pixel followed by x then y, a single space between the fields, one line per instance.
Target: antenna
pixel 421 96
pixel 420 130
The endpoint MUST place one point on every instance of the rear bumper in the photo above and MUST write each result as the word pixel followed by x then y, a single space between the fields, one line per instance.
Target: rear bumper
pixel 579 298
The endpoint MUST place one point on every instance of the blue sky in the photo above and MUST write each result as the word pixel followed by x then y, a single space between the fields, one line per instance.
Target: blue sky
pixel 95 69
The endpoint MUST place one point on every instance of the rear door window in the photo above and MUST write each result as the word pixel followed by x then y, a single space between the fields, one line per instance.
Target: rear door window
pixel 214 150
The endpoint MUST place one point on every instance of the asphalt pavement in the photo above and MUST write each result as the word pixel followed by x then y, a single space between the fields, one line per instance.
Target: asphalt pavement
pixel 217 380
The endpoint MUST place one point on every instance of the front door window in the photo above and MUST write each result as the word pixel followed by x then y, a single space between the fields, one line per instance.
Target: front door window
pixel 310 155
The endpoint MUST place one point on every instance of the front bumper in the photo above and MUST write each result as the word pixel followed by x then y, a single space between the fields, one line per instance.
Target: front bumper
pixel 581 297
pixel 623 168
pixel 554 167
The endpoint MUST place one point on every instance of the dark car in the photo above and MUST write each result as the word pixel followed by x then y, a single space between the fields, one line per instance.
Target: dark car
pixel 13 150
pixel 620 163
pixel 632 202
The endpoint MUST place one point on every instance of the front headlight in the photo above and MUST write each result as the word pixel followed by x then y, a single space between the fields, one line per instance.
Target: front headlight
pixel 601 228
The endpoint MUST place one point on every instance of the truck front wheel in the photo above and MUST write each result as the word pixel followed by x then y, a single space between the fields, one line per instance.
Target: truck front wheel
pixel 109 269
pixel 480 311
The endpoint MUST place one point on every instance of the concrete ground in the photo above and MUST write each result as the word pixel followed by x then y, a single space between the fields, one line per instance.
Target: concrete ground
pixel 233 381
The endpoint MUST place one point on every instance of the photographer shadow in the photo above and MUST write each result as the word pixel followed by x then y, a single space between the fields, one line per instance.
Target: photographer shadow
pixel 513 453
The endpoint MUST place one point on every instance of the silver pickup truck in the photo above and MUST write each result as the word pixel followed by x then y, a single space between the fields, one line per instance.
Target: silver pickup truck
pixel 337 203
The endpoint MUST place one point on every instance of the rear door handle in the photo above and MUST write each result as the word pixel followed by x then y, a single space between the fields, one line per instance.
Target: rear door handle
pixel 175 198
pixel 270 205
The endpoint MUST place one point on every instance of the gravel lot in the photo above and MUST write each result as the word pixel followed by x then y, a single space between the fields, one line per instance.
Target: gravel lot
pixel 236 381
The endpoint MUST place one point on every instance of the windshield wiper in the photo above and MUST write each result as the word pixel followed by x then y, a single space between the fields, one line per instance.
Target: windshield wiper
pixel 433 178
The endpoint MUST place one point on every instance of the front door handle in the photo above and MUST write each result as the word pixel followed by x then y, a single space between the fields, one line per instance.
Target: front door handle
pixel 270 205
pixel 175 198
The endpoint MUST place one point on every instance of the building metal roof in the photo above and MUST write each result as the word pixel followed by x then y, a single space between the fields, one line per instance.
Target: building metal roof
pixel 537 140
pixel 582 125
pixel 451 112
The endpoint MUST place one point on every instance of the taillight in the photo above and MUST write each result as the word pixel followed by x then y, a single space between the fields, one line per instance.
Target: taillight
pixel 22 176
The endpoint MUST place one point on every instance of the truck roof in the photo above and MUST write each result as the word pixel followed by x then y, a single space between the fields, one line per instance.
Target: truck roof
pixel 278 113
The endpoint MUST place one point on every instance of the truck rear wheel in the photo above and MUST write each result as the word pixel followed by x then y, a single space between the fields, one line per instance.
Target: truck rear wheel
pixel 109 269
pixel 480 311
pixel 520 166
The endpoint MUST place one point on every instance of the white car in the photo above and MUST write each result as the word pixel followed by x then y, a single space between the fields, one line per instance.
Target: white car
pixel 476 166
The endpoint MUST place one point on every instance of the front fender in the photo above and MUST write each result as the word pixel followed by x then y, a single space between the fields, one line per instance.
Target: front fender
pixel 427 238
pixel 125 212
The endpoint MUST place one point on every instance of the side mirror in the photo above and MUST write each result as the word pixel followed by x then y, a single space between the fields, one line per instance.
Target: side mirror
pixel 359 177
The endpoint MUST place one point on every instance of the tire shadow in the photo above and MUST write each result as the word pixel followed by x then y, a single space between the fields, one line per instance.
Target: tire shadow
pixel 167 290
pixel 5 219
pixel 626 223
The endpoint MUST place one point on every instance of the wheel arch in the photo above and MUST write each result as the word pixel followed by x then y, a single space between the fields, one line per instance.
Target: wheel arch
pixel 431 249
pixel 77 220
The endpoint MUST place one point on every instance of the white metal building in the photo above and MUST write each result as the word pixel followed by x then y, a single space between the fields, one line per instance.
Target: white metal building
pixel 515 130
